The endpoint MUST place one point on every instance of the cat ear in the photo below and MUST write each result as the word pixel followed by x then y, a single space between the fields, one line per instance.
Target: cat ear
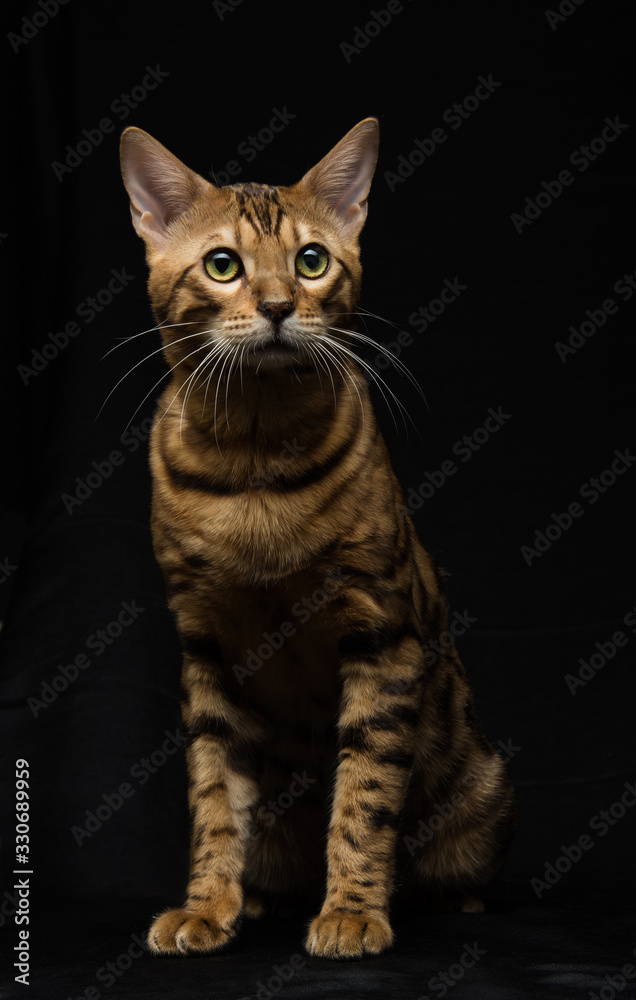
pixel 160 186
pixel 343 177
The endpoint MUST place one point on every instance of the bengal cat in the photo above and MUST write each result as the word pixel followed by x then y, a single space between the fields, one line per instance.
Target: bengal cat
pixel 322 730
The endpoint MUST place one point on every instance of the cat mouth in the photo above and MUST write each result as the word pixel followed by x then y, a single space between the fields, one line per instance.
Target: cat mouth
pixel 276 344
pixel 272 351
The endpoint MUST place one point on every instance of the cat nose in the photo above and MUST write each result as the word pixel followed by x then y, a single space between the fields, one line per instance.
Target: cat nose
pixel 276 311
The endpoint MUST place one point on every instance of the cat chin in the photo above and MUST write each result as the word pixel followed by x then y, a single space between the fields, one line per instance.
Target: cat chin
pixel 274 357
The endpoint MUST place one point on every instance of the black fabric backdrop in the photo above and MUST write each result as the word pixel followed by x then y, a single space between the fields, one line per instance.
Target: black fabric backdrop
pixel 90 662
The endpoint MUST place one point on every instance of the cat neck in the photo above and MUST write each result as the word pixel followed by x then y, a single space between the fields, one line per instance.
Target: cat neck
pixel 260 410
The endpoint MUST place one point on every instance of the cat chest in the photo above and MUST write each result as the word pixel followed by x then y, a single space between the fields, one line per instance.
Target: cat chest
pixel 278 644
pixel 255 535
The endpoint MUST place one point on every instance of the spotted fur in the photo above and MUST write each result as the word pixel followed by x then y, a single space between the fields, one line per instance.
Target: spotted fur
pixel 321 732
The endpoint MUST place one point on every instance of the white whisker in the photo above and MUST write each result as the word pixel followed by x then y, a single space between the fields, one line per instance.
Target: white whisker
pixel 216 396
pixel 152 354
pixel 378 380
pixel 365 312
pixel 219 347
pixel 241 364
pixel 152 329
pixel 315 357
pixel 192 379
pixel 341 367
pixel 235 351
pixel 385 351
pixel 223 358
pixel 181 360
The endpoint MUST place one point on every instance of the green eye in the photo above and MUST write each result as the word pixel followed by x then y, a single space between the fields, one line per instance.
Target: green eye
pixel 312 261
pixel 223 265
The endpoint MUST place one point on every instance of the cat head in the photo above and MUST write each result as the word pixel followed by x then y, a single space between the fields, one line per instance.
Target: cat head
pixel 253 270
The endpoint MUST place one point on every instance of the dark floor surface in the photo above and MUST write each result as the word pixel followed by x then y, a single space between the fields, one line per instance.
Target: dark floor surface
pixel 563 946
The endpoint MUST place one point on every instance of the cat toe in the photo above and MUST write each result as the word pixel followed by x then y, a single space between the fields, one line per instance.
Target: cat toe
pixel 184 932
pixel 348 935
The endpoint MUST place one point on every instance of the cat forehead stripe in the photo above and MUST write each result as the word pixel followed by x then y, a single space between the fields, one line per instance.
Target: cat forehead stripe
pixel 257 203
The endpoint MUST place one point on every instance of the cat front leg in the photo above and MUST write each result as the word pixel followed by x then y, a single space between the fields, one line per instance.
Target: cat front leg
pixel 381 671
pixel 221 747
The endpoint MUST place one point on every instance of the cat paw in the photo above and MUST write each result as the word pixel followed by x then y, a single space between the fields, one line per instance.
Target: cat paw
pixel 255 907
pixel 348 935
pixel 462 904
pixel 184 932
pixel 472 904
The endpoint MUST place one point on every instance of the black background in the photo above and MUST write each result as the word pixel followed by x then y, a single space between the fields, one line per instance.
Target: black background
pixel 227 69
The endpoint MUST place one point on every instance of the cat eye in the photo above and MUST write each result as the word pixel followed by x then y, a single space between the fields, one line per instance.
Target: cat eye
pixel 223 264
pixel 312 261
